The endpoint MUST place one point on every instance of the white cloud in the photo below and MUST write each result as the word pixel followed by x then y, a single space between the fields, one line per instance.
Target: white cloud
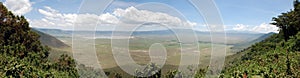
pixel 265 28
pixel 108 19
pixel 19 7
pixel 241 27
pixel 54 19
pixel 132 15
pixel 189 23
pixel 129 16
pixel 262 28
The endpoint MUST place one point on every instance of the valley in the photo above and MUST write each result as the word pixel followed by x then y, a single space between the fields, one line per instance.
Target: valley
pixel 140 43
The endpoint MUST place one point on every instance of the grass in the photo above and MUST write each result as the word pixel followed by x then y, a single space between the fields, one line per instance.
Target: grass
pixel 138 48
pixel 173 54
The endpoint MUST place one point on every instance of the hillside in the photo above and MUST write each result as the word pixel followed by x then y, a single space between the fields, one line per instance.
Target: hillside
pixel 49 40
pixel 265 59
pixel 274 57
pixel 23 56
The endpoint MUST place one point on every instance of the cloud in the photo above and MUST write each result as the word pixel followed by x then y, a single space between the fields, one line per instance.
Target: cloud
pixel 241 27
pixel 55 19
pixel 132 15
pixel 119 17
pixel 262 28
pixel 265 28
pixel 108 19
pixel 19 7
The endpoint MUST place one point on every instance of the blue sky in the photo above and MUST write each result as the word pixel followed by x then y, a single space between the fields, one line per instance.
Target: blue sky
pixel 239 15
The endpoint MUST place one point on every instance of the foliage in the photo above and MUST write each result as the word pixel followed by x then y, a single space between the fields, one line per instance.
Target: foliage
pixel 200 73
pixel 268 64
pixel 173 74
pixel 88 72
pixel 294 43
pixel 151 71
pixel 289 22
pixel 276 56
pixel 22 54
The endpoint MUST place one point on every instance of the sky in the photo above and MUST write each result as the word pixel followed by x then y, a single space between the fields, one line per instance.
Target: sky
pixel 237 15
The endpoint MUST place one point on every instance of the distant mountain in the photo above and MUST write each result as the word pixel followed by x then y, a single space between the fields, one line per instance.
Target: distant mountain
pixel 244 45
pixel 263 37
pixel 58 32
pixel 203 36
pixel 54 32
pixel 49 40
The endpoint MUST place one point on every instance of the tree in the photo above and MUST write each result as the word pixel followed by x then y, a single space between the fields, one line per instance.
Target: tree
pixel 23 55
pixel 289 23
pixel 289 26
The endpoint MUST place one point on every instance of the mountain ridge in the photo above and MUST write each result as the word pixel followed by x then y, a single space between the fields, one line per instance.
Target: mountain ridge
pixel 49 40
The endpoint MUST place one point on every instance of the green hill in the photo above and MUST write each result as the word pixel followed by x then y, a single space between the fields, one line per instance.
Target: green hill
pixel 277 56
pixel 23 56
pixel 49 40
pixel 268 58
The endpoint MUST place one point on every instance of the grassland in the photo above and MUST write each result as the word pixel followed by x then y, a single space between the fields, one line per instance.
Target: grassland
pixel 139 51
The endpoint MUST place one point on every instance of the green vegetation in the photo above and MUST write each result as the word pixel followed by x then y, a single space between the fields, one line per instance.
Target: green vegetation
pixel 264 59
pixel 276 56
pixel 23 55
